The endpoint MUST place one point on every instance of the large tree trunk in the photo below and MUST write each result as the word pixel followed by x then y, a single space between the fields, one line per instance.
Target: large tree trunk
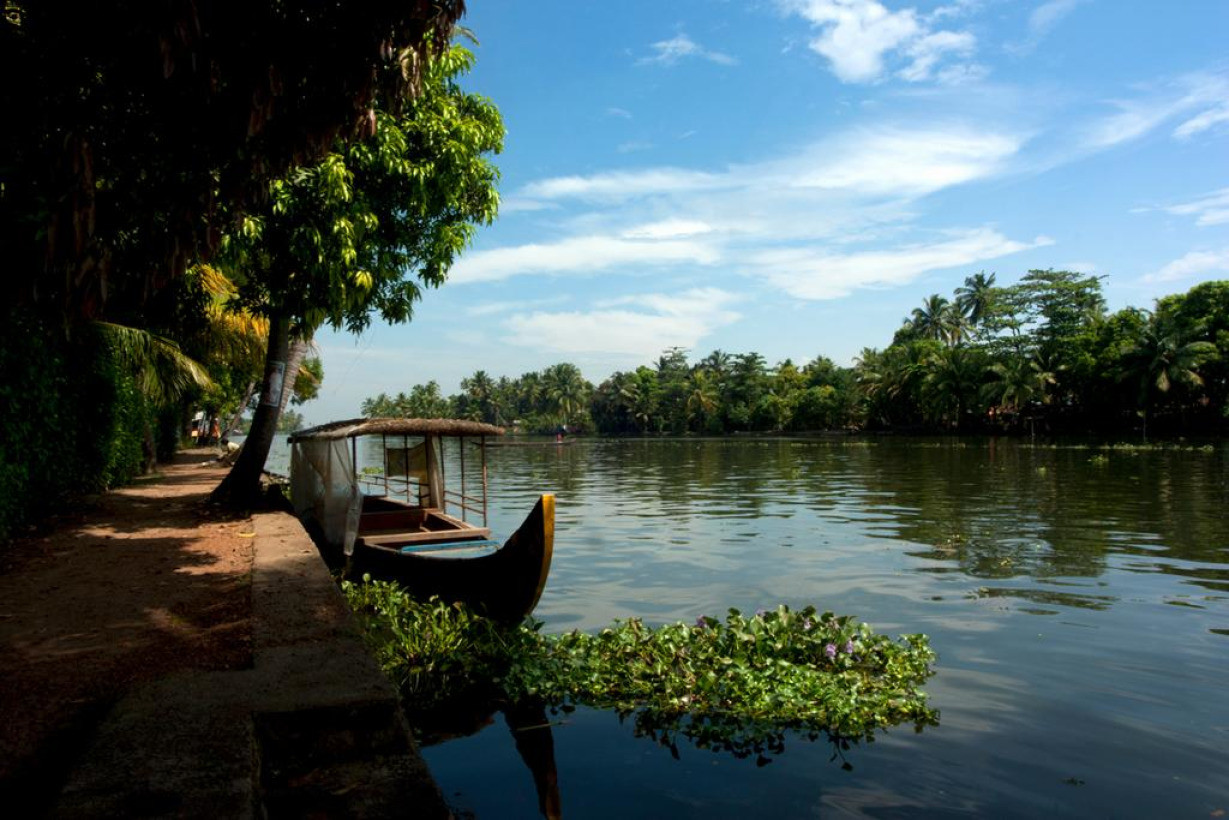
pixel 241 487
pixel 294 361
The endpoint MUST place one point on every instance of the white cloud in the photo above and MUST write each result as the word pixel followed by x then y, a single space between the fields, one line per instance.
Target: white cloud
pixel 520 204
pixel 1201 101
pixel 578 254
pixel 1041 21
pixel 1203 121
pixel 810 273
pixel 1212 209
pixel 859 36
pixel 846 191
pixel 1193 264
pixel 495 308
pixel 669 52
pixel 668 229
pixel 664 320
pixel 874 162
pixel 900 162
pixel 623 184
pixel 926 52
pixel 1046 16
pixel 619 113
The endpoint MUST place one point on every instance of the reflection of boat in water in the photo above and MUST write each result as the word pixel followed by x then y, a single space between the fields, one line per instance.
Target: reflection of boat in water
pixel 397 524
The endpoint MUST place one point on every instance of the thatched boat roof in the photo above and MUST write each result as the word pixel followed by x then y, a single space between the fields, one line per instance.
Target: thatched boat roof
pixel 397 427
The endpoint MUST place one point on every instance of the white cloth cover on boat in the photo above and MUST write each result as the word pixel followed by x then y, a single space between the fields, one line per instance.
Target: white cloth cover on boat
pixel 324 490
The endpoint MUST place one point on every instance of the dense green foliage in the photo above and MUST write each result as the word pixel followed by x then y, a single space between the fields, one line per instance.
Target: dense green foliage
pixel 72 420
pixel 139 128
pixel 142 132
pixel 737 684
pixel 361 233
pixel 538 402
pixel 1042 355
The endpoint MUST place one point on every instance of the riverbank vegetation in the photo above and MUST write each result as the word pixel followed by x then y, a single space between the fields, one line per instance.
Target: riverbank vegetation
pixel 737 683
pixel 1042 356
pixel 322 165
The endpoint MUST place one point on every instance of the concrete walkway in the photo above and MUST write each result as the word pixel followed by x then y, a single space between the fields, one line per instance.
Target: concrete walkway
pixel 311 728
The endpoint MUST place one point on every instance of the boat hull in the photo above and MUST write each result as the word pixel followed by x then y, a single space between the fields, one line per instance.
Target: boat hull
pixel 505 584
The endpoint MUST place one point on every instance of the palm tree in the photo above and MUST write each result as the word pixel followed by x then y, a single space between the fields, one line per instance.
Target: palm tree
pixel 933 320
pixel 702 397
pixel 162 371
pixel 1017 382
pixel 975 297
pixel 717 362
pixel 952 380
pixel 565 389
pixel 479 389
pixel 1160 358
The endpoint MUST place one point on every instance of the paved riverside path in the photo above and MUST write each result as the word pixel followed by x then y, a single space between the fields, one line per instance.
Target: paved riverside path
pixel 170 662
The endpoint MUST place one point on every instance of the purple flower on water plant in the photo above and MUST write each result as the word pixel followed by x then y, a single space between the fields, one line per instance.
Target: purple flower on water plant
pixel 700 622
pixel 849 647
pixel 807 624
pixel 830 651
pixel 759 613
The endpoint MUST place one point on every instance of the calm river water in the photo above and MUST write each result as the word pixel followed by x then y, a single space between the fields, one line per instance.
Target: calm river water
pixel 1078 600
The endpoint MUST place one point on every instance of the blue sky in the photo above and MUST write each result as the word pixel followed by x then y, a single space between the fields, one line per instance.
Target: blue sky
pixel 794 176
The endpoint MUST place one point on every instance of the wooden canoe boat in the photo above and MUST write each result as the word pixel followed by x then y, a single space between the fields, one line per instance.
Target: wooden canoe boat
pixel 461 563
pixel 402 521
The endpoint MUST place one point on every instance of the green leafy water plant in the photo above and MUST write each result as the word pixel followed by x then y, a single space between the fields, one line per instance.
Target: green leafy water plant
pixel 736 684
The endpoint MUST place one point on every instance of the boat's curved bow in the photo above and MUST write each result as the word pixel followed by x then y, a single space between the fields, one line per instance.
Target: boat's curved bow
pixel 506 584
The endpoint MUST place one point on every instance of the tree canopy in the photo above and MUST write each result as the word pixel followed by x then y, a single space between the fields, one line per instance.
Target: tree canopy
pixel 139 128
pixel 361 232
pixel 1040 355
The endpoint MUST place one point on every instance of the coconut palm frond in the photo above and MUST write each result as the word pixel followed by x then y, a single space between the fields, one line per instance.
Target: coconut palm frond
pixel 163 372
pixel 234 334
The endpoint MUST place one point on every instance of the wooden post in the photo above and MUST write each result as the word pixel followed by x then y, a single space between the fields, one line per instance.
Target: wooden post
pixel 482 448
pixel 461 447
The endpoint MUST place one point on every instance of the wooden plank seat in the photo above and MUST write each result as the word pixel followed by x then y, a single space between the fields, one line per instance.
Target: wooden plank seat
pixel 392 539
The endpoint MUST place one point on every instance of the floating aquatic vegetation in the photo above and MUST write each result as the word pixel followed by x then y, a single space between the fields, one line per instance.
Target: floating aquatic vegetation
pixel 737 683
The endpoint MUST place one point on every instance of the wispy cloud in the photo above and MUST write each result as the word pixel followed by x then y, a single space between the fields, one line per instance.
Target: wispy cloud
pixel 668 229
pixel 1048 15
pixel 878 161
pixel 892 161
pixel 1197 102
pixel 811 273
pixel 619 185
pixel 680 47
pixel 519 306
pixel 1212 209
pixel 1192 265
pixel 860 37
pixel 1041 21
pixel 637 327
pixel 585 254
pixel 799 209
pixel 1203 121
pixel 618 113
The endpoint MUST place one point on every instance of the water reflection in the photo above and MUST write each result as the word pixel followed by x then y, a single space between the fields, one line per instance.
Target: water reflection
pixel 1078 599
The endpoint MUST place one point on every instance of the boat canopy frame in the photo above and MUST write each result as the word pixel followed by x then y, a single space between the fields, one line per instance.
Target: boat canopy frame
pixel 327 489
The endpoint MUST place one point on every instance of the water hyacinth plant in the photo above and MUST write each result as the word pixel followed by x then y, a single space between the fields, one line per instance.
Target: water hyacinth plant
pixel 736 684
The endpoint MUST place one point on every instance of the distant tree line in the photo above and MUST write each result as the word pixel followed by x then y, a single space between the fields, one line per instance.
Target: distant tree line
pixel 1042 356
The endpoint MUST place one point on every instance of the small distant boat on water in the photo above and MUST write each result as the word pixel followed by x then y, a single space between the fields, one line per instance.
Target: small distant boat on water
pixel 406 524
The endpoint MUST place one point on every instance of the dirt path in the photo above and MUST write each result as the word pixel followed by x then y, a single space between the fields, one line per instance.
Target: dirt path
pixel 139 583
